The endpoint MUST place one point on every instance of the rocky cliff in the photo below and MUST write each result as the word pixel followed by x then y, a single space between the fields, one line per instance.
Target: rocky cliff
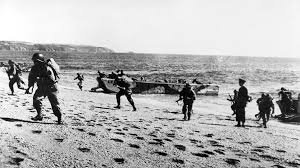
pixel 26 46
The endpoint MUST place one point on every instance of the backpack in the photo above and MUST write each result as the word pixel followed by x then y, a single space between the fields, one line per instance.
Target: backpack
pixel 265 104
pixel 54 66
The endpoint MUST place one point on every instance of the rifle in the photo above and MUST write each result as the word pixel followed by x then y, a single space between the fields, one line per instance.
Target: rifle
pixel 178 100
pixel 230 98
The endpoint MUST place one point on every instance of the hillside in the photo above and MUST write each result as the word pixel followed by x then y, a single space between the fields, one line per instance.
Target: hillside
pixel 26 46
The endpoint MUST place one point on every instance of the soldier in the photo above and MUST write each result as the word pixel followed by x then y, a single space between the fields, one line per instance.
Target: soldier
pixel 285 101
pixel 241 103
pixel 124 86
pixel 14 74
pixel 188 96
pixel 80 79
pixel 265 105
pixel 46 78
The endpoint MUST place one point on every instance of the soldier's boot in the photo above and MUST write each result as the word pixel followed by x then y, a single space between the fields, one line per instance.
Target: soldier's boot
pixel 38 117
pixel 184 118
pixel 59 120
pixel 189 115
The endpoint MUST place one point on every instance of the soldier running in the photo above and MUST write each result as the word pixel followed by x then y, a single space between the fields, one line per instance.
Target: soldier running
pixel 14 74
pixel 80 79
pixel 46 80
pixel 265 105
pixel 125 89
pixel 188 96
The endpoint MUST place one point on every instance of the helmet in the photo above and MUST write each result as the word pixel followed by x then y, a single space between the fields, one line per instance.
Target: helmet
pixel 187 85
pixel 38 57
pixel 10 62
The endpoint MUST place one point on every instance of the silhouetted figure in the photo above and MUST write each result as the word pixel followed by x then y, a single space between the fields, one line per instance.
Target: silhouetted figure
pixel 285 101
pixel 233 101
pixel 265 105
pixel 123 84
pixel 46 78
pixel 241 103
pixel 80 79
pixel 98 78
pixel 188 96
pixel 14 74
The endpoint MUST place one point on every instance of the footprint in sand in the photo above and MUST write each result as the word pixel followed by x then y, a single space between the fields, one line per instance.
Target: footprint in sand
pixel 171 135
pixel 194 141
pixel 81 129
pixel 212 142
pixel 278 166
pixel 180 147
pixel 36 131
pixel 209 135
pixel 245 143
pixel 208 152
pixel 200 146
pixel 281 151
pixel 59 139
pixel 167 139
pixel 161 153
pixel 156 143
pixel 84 149
pixel 263 147
pixel 269 157
pixel 119 160
pixel 16 160
pixel 153 135
pixel 218 145
pixel 140 138
pixel 178 161
pixel 200 154
pixel 117 140
pixel 258 150
pixel 119 133
pixel 232 161
pixel 134 146
pixel 136 127
pixel 19 125
pixel 253 159
pixel 220 151
pixel 293 163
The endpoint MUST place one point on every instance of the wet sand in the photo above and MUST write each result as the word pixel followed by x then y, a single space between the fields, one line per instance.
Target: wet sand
pixel 95 134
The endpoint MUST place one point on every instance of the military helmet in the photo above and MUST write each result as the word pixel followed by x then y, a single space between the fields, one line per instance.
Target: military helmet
pixel 187 85
pixel 38 57
pixel 10 62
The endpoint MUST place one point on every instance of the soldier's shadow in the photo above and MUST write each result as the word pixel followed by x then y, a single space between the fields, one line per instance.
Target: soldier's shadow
pixel 27 121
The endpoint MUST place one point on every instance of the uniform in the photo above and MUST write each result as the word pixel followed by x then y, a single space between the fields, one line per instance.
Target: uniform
pixel 14 71
pixel 46 81
pixel 124 87
pixel 188 96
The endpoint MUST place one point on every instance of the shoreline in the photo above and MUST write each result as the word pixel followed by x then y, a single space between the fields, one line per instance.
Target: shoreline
pixel 97 135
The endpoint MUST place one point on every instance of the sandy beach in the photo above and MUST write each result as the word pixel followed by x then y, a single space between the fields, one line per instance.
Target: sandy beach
pixel 95 134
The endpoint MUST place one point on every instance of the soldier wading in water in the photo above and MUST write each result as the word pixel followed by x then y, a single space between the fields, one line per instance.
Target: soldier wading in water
pixel 46 78
pixel 188 96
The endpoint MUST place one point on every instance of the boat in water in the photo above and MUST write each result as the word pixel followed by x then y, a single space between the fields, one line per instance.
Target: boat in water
pixel 148 87
pixel 293 115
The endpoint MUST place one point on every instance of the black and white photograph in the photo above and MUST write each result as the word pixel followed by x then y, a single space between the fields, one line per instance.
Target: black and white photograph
pixel 149 83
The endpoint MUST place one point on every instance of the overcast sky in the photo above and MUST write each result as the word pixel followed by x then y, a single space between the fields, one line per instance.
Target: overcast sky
pixel 215 27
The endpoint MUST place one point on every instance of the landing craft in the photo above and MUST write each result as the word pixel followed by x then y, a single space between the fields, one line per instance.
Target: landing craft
pixel 147 87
